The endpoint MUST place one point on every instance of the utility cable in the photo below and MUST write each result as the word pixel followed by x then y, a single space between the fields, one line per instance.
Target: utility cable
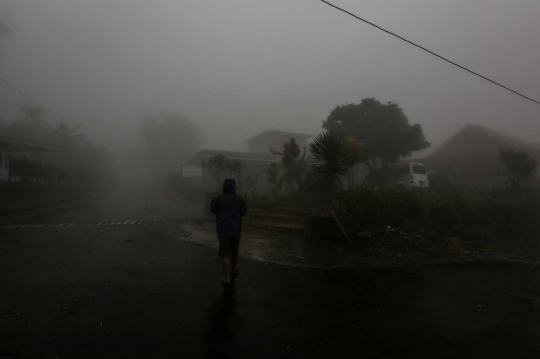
pixel 19 91
pixel 431 52
pixel 18 66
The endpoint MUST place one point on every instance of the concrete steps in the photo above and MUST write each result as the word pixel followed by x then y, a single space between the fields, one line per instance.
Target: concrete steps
pixel 276 217
pixel 288 217
pixel 283 218
pixel 283 210
pixel 275 226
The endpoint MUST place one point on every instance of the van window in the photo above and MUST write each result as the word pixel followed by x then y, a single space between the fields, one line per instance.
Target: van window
pixel 419 169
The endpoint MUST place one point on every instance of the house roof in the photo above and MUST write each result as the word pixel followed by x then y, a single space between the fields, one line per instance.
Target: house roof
pixel 18 143
pixel 243 156
pixel 532 149
pixel 298 136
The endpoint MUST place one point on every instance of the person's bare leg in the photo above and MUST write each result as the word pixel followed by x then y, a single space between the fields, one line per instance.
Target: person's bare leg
pixel 234 262
pixel 234 255
pixel 226 263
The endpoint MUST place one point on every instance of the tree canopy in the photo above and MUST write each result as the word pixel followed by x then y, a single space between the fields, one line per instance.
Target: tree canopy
pixel 77 152
pixel 4 30
pixel 384 129
pixel 295 166
pixel 223 167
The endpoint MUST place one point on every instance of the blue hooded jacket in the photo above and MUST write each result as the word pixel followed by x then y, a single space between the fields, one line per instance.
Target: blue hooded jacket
pixel 229 208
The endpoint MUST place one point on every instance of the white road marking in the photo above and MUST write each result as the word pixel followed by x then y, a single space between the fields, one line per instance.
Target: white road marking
pixel 70 224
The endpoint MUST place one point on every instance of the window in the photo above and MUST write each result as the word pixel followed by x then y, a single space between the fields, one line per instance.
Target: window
pixel 419 169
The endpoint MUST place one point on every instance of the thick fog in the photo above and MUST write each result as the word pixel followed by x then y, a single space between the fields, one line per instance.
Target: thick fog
pixel 237 68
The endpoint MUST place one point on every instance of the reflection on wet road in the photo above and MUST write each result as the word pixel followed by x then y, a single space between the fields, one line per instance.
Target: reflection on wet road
pixel 120 292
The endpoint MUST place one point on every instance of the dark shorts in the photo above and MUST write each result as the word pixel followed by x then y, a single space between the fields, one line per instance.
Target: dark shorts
pixel 228 245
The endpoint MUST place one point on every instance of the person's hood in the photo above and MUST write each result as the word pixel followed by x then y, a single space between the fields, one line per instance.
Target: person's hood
pixel 229 185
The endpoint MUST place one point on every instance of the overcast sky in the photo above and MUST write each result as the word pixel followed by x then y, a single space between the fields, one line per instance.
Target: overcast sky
pixel 239 67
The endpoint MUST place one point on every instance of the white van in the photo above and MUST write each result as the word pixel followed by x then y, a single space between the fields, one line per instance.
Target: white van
pixel 412 175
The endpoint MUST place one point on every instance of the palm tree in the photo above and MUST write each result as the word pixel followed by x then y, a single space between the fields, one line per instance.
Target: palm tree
pixel 334 155
pixel 276 177
pixel 67 137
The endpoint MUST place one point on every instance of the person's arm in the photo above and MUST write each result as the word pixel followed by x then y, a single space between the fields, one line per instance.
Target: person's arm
pixel 214 206
pixel 242 206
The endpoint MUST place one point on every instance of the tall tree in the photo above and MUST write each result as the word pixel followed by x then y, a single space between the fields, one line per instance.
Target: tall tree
pixel 68 137
pixel 223 167
pixel 4 30
pixel 384 129
pixel 295 165
pixel 275 177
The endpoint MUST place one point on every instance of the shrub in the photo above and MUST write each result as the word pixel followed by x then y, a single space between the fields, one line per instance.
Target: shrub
pixel 515 214
pixel 507 216
pixel 375 208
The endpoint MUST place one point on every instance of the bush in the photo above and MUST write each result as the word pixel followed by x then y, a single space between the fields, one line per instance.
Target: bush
pixel 505 216
pixel 376 208
pixel 515 214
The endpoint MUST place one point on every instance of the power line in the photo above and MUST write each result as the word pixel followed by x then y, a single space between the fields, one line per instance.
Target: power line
pixel 19 91
pixel 431 52
pixel 103 123
pixel 18 66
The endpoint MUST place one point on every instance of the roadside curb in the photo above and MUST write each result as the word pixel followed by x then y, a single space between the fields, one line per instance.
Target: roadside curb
pixel 183 234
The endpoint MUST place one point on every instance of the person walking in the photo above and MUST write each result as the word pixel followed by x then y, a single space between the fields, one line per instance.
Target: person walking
pixel 229 208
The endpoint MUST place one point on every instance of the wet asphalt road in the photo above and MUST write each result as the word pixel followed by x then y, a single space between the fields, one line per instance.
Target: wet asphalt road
pixel 120 292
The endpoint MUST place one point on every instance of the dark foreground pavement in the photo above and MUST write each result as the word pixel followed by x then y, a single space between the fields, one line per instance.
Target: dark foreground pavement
pixel 119 292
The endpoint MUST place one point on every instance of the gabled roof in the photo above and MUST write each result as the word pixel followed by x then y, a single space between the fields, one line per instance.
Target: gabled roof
pixel 533 149
pixel 243 156
pixel 298 136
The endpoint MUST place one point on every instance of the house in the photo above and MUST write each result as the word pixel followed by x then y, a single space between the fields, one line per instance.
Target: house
pixel 255 161
pixel 471 156
pixel 27 161
pixel 254 166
